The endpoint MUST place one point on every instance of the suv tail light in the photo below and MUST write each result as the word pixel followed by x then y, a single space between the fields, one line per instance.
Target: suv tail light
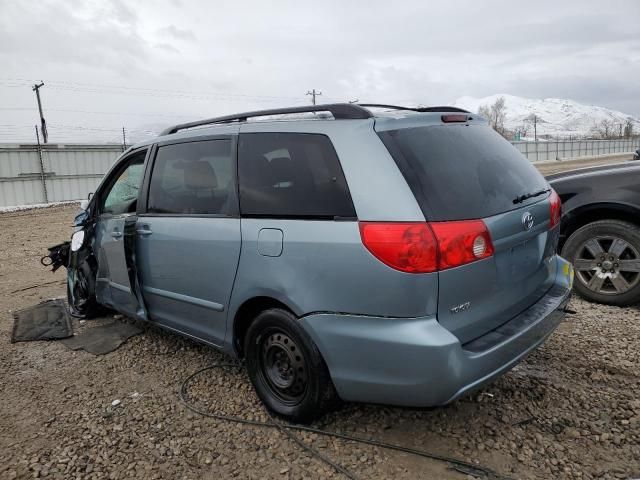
pixel 408 247
pixel 422 247
pixel 555 209
pixel 462 242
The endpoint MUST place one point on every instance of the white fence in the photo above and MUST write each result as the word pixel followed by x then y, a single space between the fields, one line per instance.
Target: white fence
pixel 543 151
pixel 56 173
pixel 69 172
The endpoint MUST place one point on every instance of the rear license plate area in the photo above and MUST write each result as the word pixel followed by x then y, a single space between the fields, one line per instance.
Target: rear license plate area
pixel 524 259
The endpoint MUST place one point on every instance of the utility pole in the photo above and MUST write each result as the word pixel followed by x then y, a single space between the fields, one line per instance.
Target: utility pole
pixel 42 174
pixel 313 94
pixel 43 124
pixel 535 127
pixel 124 140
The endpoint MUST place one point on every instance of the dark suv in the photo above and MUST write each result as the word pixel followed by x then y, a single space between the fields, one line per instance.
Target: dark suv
pixel 600 230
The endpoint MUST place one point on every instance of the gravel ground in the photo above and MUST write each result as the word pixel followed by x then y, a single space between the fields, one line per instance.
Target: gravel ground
pixel 570 410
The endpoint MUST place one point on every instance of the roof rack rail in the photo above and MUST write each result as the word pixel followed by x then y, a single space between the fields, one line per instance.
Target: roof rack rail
pixel 415 109
pixel 340 111
pixel 383 105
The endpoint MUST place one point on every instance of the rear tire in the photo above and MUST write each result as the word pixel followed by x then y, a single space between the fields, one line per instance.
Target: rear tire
pixel 606 256
pixel 287 369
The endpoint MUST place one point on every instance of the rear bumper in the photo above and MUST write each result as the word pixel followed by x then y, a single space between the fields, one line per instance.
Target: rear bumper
pixel 417 362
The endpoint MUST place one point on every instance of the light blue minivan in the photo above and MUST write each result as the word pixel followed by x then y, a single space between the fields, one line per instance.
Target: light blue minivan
pixel 359 252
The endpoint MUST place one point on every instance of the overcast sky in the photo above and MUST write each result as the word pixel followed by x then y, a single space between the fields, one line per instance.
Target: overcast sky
pixel 143 64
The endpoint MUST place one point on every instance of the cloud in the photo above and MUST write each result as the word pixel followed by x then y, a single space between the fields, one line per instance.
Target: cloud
pixel 177 33
pixel 243 55
pixel 58 33
pixel 166 46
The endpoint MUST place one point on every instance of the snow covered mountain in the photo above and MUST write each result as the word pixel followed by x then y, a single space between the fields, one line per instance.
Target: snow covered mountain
pixel 555 116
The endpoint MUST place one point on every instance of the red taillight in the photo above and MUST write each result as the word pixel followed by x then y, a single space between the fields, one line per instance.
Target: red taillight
pixel 408 247
pixel 555 209
pixel 427 247
pixel 462 242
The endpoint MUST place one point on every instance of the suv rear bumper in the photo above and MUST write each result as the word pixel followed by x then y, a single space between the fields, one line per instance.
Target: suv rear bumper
pixel 417 362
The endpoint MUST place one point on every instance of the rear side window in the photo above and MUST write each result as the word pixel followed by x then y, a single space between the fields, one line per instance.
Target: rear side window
pixel 462 172
pixel 194 178
pixel 291 175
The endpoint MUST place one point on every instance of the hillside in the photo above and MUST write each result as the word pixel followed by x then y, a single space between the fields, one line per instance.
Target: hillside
pixel 555 116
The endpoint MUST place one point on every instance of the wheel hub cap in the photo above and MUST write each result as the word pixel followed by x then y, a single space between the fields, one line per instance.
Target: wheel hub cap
pixel 608 265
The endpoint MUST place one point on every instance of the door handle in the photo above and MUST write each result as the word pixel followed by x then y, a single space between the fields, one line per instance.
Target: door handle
pixel 116 234
pixel 144 231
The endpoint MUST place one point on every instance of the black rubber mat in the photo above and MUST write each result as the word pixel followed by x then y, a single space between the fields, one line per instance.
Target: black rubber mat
pixel 102 339
pixel 46 321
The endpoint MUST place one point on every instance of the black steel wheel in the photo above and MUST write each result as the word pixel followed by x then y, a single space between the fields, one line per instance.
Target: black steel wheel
pixel 283 367
pixel 606 258
pixel 286 368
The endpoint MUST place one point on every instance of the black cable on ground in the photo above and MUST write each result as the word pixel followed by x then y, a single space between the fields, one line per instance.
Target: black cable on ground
pixel 272 423
pixel 460 465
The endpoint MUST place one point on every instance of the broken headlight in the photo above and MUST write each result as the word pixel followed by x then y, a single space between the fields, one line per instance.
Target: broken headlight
pixel 77 240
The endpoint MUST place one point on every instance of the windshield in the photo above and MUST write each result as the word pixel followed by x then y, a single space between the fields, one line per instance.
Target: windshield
pixel 460 172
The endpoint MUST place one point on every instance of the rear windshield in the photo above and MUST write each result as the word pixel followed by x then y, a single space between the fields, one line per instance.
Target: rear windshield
pixel 459 172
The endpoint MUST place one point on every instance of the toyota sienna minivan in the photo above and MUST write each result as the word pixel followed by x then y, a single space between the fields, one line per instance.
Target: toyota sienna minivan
pixel 359 252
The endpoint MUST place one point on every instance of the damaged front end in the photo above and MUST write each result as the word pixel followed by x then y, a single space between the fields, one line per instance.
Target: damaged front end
pixel 81 275
pixel 77 256
pixel 57 257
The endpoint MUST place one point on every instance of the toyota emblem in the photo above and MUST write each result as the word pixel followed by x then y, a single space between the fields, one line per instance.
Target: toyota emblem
pixel 527 221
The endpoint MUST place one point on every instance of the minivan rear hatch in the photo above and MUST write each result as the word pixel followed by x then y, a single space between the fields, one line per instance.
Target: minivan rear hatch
pixel 466 171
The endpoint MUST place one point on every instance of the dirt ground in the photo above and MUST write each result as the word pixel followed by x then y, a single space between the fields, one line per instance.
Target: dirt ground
pixel 570 410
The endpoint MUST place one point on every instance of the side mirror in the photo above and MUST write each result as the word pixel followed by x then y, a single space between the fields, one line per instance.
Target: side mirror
pixel 84 204
pixel 90 196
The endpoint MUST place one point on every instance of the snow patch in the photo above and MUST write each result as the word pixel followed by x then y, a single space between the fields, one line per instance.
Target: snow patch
pixel 19 208
pixel 555 116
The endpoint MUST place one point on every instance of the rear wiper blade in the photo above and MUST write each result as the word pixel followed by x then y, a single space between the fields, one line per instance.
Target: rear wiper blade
pixel 526 196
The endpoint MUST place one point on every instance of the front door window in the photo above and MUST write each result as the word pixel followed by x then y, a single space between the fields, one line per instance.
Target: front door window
pixel 122 195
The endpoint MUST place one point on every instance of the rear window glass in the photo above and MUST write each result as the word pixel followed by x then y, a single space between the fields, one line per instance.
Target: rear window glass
pixel 291 175
pixel 462 172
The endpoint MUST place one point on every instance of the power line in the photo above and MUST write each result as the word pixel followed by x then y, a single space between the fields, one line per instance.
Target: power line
pixel 154 92
pixel 128 90
pixel 97 112
pixel 82 127
pixel 76 134
pixel 158 90
pixel 76 131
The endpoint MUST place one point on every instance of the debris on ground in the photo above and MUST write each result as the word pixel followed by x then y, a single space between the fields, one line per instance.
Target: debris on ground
pixel 48 320
pixel 102 337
